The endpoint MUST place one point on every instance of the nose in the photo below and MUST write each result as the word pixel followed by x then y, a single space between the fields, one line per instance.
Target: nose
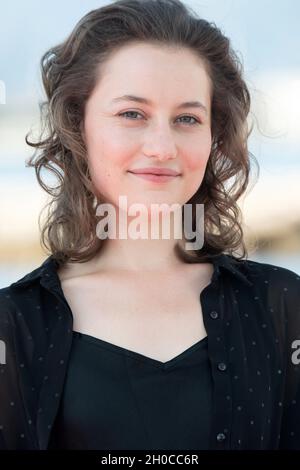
pixel 161 146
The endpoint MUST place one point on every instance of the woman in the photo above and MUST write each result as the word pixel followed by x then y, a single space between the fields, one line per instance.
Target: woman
pixel 145 343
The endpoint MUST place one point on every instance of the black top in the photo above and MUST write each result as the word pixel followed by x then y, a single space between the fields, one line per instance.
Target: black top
pixel 251 313
pixel 115 398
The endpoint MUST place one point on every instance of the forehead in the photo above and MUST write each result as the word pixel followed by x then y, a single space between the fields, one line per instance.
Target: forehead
pixel 145 69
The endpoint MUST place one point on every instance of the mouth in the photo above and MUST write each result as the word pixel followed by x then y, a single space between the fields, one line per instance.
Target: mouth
pixel 155 178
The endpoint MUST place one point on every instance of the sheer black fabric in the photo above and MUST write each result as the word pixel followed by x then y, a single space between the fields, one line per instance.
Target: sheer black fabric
pixel 115 398
pixel 251 312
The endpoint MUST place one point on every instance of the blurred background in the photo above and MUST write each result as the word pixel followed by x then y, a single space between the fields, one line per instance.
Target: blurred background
pixel 266 36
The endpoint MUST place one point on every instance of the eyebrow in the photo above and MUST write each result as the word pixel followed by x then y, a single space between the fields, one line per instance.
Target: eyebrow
pixel 139 99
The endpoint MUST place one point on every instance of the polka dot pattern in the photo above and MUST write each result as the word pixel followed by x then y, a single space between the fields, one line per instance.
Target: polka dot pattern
pixel 251 312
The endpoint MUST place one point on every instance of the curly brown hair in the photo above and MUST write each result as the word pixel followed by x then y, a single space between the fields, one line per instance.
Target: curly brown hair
pixel 69 74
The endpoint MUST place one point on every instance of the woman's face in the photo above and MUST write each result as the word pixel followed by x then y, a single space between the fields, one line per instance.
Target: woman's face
pixel 159 133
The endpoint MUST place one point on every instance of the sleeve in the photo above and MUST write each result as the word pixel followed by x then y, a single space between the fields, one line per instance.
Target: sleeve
pixel 13 424
pixel 290 304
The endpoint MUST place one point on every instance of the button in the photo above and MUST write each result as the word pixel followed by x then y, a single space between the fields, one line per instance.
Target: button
pixel 221 437
pixel 214 314
pixel 222 366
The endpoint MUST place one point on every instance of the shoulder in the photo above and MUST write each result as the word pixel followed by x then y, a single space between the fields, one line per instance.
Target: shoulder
pixel 19 299
pixel 19 290
pixel 267 282
pixel 29 312
pixel 256 275
pixel 280 286
pixel 266 273
pixel 7 306
pixel 14 309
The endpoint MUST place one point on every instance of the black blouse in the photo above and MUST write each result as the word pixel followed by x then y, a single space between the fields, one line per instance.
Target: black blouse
pixel 115 398
pixel 251 313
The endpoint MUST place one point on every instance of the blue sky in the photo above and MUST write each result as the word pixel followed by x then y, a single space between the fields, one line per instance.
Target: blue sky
pixel 265 32
pixel 266 35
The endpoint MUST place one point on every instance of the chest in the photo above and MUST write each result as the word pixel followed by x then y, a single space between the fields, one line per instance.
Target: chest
pixel 157 317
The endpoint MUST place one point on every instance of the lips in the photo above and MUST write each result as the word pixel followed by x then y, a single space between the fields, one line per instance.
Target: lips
pixel 155 171
pixel 154 178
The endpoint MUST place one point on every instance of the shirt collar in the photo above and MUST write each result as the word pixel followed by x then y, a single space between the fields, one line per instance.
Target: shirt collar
pixel 47 275
pixel 45 272
pixel 239 269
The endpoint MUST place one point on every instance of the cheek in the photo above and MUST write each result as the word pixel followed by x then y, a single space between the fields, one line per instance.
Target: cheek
pixel 107 161
pixel 107 150
pixel 195 164
pixel 197 158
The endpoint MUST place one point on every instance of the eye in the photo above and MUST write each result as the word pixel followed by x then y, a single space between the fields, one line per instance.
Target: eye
pixel 135 112
pixel 128 112
pixel 191 117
